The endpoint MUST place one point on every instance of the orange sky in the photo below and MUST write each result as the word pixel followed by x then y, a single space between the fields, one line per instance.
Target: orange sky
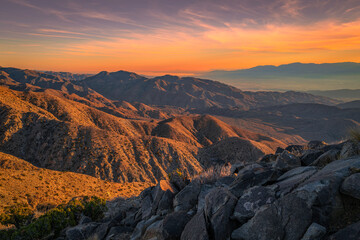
pixel 194 41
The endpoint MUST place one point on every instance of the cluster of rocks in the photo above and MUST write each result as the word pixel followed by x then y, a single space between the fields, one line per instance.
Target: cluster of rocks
pixel 302 192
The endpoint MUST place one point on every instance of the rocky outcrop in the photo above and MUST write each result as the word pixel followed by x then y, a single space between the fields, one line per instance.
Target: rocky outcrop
pixel 280 198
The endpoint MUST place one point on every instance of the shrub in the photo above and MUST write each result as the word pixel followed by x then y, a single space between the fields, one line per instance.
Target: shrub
pixel 19 215
pixel 355 134
pixel 57 219
pixel 177 173
pixel 212 174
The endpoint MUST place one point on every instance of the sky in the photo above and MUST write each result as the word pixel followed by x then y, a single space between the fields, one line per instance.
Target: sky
pixel 178 37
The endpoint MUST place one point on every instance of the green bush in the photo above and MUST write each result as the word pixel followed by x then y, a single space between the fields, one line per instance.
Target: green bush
pixel 57 219
pixel 19 215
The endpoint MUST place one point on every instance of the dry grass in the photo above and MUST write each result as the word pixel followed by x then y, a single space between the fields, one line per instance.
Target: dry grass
pixel 354 134
pixel 212 174
pixel 21 182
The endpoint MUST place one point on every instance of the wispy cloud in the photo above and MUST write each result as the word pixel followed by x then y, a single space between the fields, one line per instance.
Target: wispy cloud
pixel 55 36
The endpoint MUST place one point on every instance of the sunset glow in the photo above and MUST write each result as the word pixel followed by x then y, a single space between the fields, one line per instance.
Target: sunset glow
pixel 182 37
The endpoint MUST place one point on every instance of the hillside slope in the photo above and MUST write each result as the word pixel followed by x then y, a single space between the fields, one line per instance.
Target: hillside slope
pixel 21 182
pixel 52 131
pixel 308 121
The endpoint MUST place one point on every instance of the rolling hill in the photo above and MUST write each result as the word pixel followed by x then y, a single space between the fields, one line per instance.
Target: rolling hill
pixel 189 92
pixel 55 132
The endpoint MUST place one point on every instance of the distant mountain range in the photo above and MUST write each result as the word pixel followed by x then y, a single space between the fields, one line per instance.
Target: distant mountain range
pixel 294 76
pixel 341 94
pixel 69 75
pixel 189 92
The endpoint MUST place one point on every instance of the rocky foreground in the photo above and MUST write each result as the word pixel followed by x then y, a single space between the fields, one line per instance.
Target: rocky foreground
pixel 301 192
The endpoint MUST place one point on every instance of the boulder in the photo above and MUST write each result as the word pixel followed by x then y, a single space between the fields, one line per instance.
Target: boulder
pixel 279 150
pixel 315 144
pixel 159 191
pixel 295 171
pixel 254 176
pixel 205 189
pixel 219 205
pixel 186 199
pixel 196 228
pixel 165 204
pixel 146 203
pixel 326 158
pixel 295 149
pixel 310 156
pixel 323 187
pixel 351 232
pixel 100 232
pixel 236 167
pixel 351 186
pixel 314 232
pixel 154 231
pixel 131 219
pixel 286 161
pixel 270 157
pixel 119 233
pixel 292 179
pixel 142 226
pixel 178 182
pixel 174 224
pixel 225 181
pixel 350 149
pixel 251 201
pixel 80 232
pixel 287 218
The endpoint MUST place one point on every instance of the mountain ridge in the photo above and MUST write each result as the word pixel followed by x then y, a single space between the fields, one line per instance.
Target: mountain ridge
pixel 295 76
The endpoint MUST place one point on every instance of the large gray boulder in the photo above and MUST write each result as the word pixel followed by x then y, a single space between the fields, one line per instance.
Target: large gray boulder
pixel 351 186
pixel 205 189
pixel 292 179
pixel 174 224
pixel 350 149
pixel 326 158
pixel 165 204
pixel 154 231
pixel 286 161
pixel 119 233
pixel 81 232
pixel 310 156
pixel 323 187
pixel 296 150
pixel 314 232
pixel 316 144
pixel 251 201
pixel 219 206
pixel 351 232
pixel 295 171
pixel 142 226
pixel 257 175
pixel 196 228
pixel 186 199
pixel 162 188
pixel 146 203
pixel 287 218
